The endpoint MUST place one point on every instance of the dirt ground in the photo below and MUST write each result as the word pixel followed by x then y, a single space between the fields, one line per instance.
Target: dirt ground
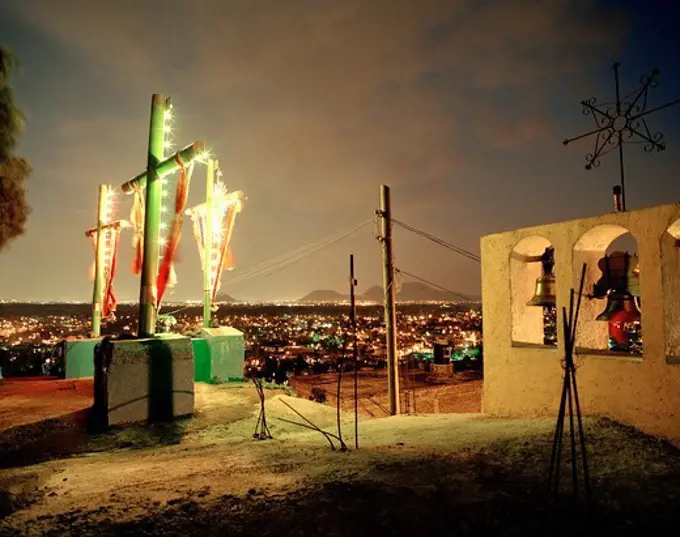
pixel 422 393
pixel 455 474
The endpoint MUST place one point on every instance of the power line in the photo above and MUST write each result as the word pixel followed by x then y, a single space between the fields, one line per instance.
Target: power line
pixel 461 295
pixel 437 240
pixel 288 259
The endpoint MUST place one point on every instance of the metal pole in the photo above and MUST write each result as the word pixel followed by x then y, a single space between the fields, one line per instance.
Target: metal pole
pixel 207 247
pixel 97 297
pixel 620 136
pixel 389 299
pixel 148 294
pixel 355 357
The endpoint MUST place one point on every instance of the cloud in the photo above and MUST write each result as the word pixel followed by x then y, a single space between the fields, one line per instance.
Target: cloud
pixel 311 104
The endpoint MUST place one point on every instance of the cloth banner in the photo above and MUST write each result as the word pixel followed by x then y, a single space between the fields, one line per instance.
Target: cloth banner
pixel 108 298
pixel 166 275
pixel 137 219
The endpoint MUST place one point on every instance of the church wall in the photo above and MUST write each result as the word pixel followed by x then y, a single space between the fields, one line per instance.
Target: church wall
pixel 523 377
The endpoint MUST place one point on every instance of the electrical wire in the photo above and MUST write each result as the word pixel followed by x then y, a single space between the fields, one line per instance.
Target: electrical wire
pixel 288 259
pixel 460 295
pixel 437 240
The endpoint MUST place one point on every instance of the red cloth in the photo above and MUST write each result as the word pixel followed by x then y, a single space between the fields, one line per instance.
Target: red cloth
pixel 137 218
pixel 165 270
pixel 110 301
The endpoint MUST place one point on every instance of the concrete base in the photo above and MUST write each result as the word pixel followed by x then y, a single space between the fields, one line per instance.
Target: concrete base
pixel 79 357
pixel 442 370
pixel 143 380
pixel 225 355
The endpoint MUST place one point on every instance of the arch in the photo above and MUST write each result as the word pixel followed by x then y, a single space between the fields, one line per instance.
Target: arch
pixel 670 290
pixel 527 322
pixel 599 238
pixel 590 248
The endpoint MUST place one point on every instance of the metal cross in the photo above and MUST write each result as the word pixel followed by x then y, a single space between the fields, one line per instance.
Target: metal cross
pixel 622 121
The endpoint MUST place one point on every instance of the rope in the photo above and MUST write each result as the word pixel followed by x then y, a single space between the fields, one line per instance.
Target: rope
pixel 440 242
pixel 461 295
pixel 288 259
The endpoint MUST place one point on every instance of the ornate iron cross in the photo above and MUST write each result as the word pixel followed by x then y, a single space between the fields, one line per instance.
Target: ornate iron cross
pixel 622 121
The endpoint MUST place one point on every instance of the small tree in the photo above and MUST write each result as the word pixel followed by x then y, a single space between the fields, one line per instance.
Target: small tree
pixel 13 170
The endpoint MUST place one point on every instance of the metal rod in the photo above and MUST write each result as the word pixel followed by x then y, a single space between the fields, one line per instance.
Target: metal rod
pixel 97 296
pixel 582 439
pixel 389 300
pixel 572 433
pixel 207 247
pixel 355 355
pixel 621 167
pixel 647 112
pixel 147 296
pixel 618 91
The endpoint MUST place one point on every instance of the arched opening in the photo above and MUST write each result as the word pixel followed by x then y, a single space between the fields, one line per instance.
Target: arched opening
pixel 670 286
pixel 610 319
pixel 532 292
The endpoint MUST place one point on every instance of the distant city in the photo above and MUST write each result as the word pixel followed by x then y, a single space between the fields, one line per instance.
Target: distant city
pixel 316 333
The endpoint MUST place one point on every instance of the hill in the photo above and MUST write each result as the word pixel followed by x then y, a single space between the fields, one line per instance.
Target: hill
pixel 224 297
pixel 414 292
pixel 323 295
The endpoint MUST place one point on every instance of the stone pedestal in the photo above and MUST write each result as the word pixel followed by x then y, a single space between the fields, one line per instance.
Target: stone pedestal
pixel 143 380
pixel 220 355
pixel 442 370
pixel 79 357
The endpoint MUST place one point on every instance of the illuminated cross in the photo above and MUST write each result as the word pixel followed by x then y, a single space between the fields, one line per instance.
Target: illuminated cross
pixel 622 121
pixel 105 236
pixel 213 227
pixel 157 168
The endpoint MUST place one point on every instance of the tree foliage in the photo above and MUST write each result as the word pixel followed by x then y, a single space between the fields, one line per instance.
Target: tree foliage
pixel 13 170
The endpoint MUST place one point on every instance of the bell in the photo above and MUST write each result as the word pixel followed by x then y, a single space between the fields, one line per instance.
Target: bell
pixel 545 292
pixel 621 307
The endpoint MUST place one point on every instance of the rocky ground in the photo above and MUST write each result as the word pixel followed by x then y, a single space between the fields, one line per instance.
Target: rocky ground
pixel 461 474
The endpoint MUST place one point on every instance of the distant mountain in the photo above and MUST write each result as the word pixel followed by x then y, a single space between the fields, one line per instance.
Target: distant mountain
pixel 324 295
pixel 224 297
pixel 414 292
pixel 374 294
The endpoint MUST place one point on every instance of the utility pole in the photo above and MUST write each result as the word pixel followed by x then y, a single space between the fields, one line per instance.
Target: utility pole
pixel 97 297
pixel 385 214
pixel 355 357
pixel 207 247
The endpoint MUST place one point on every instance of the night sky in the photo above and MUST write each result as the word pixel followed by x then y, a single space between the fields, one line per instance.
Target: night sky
pixel 460 106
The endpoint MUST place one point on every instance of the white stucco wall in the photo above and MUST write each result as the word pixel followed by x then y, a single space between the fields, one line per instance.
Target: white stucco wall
pixel 521 379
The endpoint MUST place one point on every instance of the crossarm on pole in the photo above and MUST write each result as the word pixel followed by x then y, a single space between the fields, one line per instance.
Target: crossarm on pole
pixel 167 166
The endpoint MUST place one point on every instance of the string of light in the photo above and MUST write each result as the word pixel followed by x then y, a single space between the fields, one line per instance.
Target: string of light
pixel 167 150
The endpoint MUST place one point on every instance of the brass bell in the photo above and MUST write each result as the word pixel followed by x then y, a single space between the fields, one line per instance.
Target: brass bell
pixel 545 292
pixel 545 285
pixel 621 306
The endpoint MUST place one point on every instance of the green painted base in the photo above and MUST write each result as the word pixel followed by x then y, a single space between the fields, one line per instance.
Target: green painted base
pixel 201 360
pixel 219 355
pixel 79 357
